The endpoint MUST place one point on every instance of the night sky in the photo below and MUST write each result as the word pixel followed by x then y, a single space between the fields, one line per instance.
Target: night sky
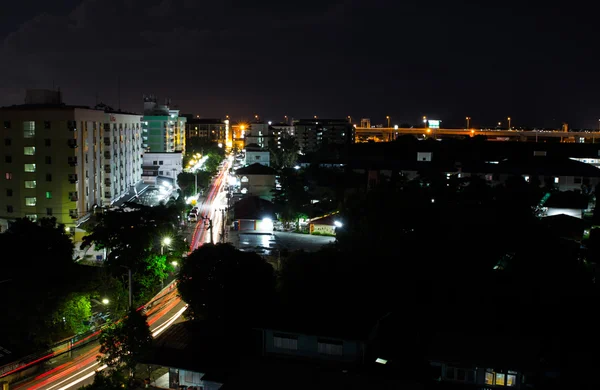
pixel 360 58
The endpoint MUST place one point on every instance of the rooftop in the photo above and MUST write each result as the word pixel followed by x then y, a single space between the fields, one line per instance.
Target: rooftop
pixel 326 220
pixel 253 207
pixel 256 169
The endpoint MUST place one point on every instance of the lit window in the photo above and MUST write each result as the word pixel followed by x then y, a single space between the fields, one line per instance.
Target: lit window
pixel 29 150
pixel 511 380
pixel 556 180
pixel 48 194
pixel 30 183
pixel 500 377
pixel 32 217
pixel 489 378
pixel 29 167
pixel 526 178
pixel 29 129
pixel 8 176
pixel 30 201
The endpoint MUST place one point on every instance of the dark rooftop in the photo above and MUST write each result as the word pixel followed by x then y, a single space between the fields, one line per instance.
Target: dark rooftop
pixel 567 199
pixel 256 169
pixel 253 207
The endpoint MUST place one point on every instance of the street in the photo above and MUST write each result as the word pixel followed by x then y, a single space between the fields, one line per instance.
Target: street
pixel 162 311
pixel 71 372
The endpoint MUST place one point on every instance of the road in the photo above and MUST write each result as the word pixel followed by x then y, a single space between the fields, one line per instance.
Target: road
pixel 210 208
pixel 79 371
pixel 72 372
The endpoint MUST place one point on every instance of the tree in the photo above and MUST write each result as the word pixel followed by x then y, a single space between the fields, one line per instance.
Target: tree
pixel 72 313
pixel 291 199
pixel 187 182
pixel 39 264
pixel 124 343
pixel 222 283
pixel 283 153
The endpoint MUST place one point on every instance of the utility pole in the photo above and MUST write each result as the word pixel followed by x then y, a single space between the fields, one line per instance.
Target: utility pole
pixel 223 226
pixel 130 286
pixel 210 229
pixel 130 289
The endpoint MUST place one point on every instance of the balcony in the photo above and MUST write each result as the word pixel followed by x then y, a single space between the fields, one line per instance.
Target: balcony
pixel 107 155
pixel 73 196
pixel 107 169
pixel 72 178
pixel 107 141
pixel 72 143
pixel 107 182
pixel 72 161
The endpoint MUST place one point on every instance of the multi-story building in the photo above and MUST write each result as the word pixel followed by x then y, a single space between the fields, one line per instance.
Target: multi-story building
pixel 62 161
pixel 163 128
pixel 311 134
pixel 209 129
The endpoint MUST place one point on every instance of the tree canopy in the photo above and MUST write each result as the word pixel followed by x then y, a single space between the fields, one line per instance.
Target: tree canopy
pixel 222 283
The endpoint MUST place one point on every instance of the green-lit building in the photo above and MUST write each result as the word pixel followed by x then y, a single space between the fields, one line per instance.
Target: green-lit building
pixel 163 129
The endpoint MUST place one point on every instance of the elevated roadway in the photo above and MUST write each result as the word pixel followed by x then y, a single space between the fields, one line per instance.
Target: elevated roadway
pixel 390 133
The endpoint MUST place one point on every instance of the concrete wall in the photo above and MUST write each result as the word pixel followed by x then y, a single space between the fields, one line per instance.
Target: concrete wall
pixel 307 346
pixel 257 156
pixel 258 185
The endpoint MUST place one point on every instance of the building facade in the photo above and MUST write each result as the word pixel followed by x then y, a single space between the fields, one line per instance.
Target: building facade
pixel 163 128
pixel 256 154
pixel 312 134
pixel 63 161
pixel 207 129
pixel 162 165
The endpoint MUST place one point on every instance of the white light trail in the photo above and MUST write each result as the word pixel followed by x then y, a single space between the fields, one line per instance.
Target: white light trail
pixel 164 326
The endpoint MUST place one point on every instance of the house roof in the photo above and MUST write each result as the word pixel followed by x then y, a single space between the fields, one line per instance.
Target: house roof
pixel 568 200
pixel 253 207
pixel 253 146
pixel 547 166
pixel 328 220
pixel 256 169
pixel 201 346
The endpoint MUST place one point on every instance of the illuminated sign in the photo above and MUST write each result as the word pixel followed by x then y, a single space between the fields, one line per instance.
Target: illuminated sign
pixel 434 124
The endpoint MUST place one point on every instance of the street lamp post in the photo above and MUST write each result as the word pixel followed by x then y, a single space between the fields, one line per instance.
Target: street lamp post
pixel 130 286
pixel 468 122
pixel 424 122
pixel 388 121
pixel 508 123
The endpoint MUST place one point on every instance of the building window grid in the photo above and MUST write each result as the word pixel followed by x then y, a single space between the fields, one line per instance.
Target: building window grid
pixel 30 201
pixel 285 342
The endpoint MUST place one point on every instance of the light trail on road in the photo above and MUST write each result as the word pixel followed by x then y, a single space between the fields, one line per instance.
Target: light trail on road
pixel 207 210
pixel 162 312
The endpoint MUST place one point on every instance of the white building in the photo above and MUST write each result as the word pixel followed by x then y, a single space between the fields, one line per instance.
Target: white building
pixel 162 165
pixel 62 161
pixel 256 154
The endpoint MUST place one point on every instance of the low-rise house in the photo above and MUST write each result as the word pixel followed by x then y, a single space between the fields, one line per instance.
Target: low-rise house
pixel 325 225
pixel 256 154
pixel 253 215
pixel 569 203
pixel 257 180
pixel 563 174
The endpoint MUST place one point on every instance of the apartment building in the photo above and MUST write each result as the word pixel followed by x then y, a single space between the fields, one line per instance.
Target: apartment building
pixel 163 128
pixel 312 134
pixel 62 161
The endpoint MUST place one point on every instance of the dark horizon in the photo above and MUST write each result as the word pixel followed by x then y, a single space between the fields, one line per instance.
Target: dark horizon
pixel 363 59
